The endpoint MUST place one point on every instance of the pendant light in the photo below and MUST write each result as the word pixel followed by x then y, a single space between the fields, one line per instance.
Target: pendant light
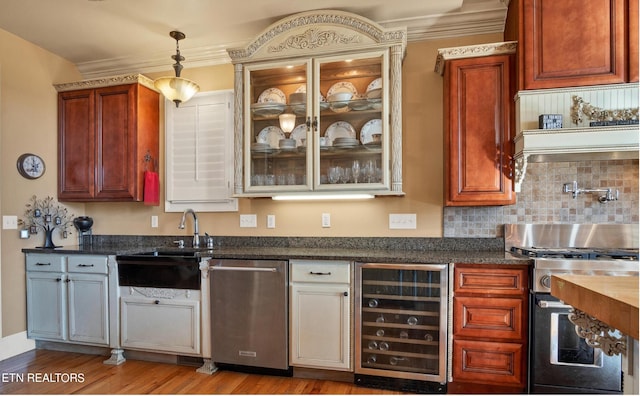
pixel 176 89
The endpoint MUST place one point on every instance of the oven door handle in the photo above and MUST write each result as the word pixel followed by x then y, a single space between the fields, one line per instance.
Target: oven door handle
pixel 552 304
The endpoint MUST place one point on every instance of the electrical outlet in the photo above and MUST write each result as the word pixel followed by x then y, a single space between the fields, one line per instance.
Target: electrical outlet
pixel 248 221
pixel 404 221
pixel 271 221
pixel 326 220
pixel 9 222
pixel 154 221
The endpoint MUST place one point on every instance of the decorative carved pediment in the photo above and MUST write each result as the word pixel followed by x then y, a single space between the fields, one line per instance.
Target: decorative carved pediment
pixel 317 32
pixel 314 38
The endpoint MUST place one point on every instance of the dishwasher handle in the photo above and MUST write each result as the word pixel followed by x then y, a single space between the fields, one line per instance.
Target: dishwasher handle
pixel 244 269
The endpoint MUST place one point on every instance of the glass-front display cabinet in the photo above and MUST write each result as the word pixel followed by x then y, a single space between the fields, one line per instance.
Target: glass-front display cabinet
pixel 318 108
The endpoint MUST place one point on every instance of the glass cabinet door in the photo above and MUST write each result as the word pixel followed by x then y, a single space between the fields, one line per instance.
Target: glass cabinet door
pixel 337 136
pixel 277 151
pixel 352 133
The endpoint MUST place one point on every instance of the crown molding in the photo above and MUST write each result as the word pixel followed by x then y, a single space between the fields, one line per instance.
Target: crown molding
pixel 420 28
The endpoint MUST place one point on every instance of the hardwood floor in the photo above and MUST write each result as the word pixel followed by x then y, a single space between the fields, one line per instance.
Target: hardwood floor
pixel 52 372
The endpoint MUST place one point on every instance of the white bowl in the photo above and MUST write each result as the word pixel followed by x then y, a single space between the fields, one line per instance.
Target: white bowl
pixel 374 93
pixel 287 143
pixel 297 97
pixel 340 97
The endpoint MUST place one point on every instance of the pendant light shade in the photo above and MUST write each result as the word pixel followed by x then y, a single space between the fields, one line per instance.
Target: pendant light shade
pixel 176 89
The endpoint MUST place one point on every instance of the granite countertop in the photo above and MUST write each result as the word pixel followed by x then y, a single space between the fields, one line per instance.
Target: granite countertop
pixel 390 250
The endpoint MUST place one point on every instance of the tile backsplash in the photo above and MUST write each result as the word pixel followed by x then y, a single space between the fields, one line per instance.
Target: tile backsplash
pixel 541 200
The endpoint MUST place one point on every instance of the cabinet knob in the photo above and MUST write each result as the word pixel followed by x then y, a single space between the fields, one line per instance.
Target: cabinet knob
pixel 156 302
pixel 346 294
pixel 58 279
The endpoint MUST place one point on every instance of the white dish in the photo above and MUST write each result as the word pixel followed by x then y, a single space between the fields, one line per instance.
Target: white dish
pixel 375 84
pixel 339 129
pixel 369 129
pixel 270 135
pixel 299 133
pixel 267 109
pixel 272 95
pixel 342 86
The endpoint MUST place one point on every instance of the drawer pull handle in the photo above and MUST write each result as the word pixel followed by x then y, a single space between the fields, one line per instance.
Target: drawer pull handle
pixel 156 302
pixel 319 273
pixel 85 265
pixel 43 263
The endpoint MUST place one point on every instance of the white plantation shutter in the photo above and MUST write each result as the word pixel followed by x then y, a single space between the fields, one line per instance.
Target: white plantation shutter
pixel 199 153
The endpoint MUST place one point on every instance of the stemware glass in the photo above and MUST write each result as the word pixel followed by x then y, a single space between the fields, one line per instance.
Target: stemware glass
pixel 355 170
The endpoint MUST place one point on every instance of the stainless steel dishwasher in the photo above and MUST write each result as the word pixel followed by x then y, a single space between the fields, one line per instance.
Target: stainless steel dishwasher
pixel 249 313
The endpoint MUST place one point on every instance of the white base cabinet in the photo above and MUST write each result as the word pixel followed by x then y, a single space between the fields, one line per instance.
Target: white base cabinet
pixel 320 314
pixel 160 320
pixel 67 298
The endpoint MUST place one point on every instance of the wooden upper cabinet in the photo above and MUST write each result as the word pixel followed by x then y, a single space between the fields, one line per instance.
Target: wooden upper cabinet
pixel 574 42
pixel 478 148
pixel 104 136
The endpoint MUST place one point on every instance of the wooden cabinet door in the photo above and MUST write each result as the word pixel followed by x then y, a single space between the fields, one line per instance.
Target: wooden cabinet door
pixel 477 132
pixel 320 328
pixel 632 51
pixel 169 325
pixel 573 43
pixel 495 363
pixel 490 318
pixel 107 138
pixel 88 308
pixel 115 142
pixel 76 142
pixel 46 306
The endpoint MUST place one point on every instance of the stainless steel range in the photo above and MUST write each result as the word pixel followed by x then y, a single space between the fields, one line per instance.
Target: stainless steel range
pixel 559 360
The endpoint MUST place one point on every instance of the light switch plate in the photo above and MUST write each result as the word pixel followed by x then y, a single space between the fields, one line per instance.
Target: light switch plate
pixel 271 221
pixel 9 222
pixel 154 221
pixel 248 221
pixel 326 220
pixel 402 221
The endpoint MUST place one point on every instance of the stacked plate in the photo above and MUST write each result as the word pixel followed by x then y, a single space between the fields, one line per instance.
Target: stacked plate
pixel 267 109
pixel 345 142
pixel 262 148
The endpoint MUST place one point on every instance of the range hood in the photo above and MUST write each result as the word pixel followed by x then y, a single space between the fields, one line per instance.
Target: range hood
pixel 576 140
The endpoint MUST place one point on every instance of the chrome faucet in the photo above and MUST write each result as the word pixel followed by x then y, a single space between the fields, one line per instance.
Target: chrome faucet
pixel 609 193
pixel 196 237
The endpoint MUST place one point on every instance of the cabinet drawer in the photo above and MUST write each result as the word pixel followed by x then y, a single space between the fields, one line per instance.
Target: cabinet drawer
pixel 90 264
pixel 502 281
pixel 320 271
pixel 489 318
pixel 45 262
pixel 493 363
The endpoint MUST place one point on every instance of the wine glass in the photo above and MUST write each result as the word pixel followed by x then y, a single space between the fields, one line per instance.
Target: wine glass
pixel 355 170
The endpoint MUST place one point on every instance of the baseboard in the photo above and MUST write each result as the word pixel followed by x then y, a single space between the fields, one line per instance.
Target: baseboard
pixel 15 344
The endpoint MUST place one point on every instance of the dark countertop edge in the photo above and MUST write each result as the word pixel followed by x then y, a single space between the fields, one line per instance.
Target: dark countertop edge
pixel 305 253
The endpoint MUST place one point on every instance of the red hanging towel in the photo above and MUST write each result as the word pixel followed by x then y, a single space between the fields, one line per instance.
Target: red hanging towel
pixel 151 188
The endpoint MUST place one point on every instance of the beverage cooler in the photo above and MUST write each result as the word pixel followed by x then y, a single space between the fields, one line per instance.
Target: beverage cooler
pixel 401 326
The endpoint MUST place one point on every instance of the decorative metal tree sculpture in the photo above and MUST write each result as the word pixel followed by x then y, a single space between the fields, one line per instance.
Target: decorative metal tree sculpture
pixel 48 215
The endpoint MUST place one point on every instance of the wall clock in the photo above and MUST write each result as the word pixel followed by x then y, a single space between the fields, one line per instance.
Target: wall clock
pixel 30 166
